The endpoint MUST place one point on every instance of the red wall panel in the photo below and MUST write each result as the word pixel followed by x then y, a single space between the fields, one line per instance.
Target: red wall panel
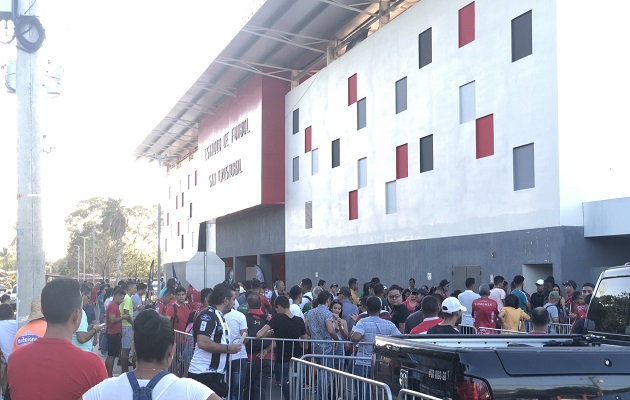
pixel 307 139
pixel 402 161
pixel 467 24
pixel 352 89
pixel 485 136
pixel 353 205
pixel 272 169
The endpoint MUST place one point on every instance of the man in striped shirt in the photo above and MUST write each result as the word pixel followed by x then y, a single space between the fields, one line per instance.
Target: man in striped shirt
pixel 211 335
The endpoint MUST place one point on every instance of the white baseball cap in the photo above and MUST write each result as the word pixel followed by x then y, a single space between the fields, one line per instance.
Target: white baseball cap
pixel 540 282
pixel 451 304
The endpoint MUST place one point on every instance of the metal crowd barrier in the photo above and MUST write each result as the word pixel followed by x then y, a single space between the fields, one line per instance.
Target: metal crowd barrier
pixel 467 329
pixel 406 394
pixel 184 346
pixel 328 383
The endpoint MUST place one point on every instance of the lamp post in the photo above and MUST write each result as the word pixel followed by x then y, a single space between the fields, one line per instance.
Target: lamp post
pixel 159 158
pixel 83 237
pixel 78 262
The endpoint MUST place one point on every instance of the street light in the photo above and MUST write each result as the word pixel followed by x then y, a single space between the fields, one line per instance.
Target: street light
pixel 159 158
pixel 83 237
pixel 78 262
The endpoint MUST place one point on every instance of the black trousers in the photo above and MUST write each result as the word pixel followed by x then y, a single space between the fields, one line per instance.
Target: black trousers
pixel 216 382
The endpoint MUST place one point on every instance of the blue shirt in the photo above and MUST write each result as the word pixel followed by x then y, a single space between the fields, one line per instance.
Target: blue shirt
pixel 369 327
pixel 522 298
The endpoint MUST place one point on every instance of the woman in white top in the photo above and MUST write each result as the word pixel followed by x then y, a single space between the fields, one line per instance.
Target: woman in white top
pixel 154 342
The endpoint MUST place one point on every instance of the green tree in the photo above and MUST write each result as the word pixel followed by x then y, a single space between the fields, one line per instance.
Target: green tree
pixel 115 222
pixel 7 259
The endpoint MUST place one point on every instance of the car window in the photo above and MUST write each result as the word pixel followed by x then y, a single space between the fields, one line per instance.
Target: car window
pixel 609 308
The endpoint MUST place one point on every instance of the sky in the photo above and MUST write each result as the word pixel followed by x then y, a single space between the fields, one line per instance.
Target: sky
pixel 125 65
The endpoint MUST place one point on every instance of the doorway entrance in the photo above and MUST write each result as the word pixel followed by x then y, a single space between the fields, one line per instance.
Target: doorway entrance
pixel 461 272
pixel 534 272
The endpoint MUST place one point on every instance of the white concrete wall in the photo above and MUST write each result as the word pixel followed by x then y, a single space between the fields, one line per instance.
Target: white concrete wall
pixel 593 96
pixel 177 180
pixel 462 195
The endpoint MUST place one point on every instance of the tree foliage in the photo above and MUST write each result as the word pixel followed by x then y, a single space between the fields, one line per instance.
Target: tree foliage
pixel 125 239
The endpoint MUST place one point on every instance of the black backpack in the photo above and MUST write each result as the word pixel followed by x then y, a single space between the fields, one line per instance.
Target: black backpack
pixel 254 324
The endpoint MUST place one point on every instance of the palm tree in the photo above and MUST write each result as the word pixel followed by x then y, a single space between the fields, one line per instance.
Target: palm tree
pixel 115 222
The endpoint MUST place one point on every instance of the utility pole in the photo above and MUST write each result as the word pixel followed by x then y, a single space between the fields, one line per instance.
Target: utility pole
pixel 83 237
pixel 30 247
pixel 159 158
pixel 93 244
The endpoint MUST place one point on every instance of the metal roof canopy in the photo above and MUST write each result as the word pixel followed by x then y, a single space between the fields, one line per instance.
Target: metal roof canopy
pixel 284 39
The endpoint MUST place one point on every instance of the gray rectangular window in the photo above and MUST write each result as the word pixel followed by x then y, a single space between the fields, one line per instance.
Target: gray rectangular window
pixel 169 192
pixel 188 181
pixel 314 161
pixel 390 197
pixel 296 121
pixel 308 214
pixel 425 50
pixel 182 241
pixel 426 153
pixel 401 95
pixel 336 156
pixel 467 106
pixel 522 36
pixel 362 173
pixel 190 210
pixel 361 117
pixel 165 245
pixel 182 205
pixel 523 167
pixel 296 169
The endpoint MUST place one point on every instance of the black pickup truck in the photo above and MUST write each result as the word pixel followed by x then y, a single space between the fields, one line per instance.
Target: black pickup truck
pixel 463 367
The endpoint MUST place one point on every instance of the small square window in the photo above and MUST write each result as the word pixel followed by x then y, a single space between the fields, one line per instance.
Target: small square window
pixel 308 214
pixel 296 169
pixel 467 103
pixel 353 206
pixel 523 167
pixel 401 95
pixel 314 161
pixel 296 121
pixel 426 153
pixel 361 114
pixel 352 89
pixel 362 173
pixel 522 36
pixel 425 48
pixel 390 198
pixel 336 156
pixel 402 161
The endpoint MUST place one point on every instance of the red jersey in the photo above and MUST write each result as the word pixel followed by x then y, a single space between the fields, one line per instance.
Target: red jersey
pixel 113 327
pixel 484 311
pixel 161 308
pixel 265 305
pixel 94 295
pixel 53 368
pixel 424 326
pixel 178 314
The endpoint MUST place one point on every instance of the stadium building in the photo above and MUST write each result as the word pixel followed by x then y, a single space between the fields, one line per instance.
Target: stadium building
pixel 429 139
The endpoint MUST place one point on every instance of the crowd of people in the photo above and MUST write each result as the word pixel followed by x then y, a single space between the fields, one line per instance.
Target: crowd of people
pixel 235 339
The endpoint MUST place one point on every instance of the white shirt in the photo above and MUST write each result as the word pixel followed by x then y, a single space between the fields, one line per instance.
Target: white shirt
pixel 169 387
pixel 236 322
pixel 295 310
pixel 466 298
pixel 498 295
pixel 8 328
pixel 305 299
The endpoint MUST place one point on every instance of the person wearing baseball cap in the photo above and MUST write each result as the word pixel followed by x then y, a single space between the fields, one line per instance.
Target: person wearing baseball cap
pixel 452 311
pixel 538 299
pixel 570 306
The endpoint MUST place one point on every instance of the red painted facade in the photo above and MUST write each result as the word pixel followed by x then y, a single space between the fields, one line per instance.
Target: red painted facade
pixel 402 161
pixel 467 24
pixel 485 136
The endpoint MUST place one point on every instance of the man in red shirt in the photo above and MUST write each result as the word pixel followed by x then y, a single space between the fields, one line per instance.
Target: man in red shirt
pixel 178 311
pixel 163 302
pixel 194 298
pixel 265 306
pixel 485 311
pixel 113 319
pixel 430 309
pixel 52 366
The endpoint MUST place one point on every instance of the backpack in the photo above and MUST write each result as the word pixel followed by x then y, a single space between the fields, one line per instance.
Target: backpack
pixel 144 392
pixel 254 324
